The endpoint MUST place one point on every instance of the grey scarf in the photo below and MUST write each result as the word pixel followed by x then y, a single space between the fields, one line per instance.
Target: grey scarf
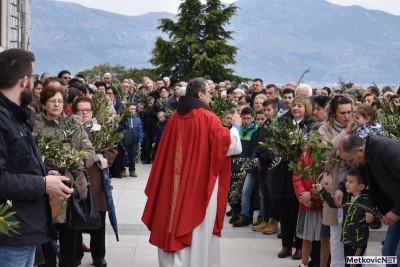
pixel 343 165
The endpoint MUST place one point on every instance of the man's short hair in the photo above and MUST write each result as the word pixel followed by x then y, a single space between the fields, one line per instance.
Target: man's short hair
pixel 242 103
pixel 270 102
pixel 60 74
pixel 49 80
pixel 258 80
pixel 243 86
pixel 259 112
pixel 358 95
pixel 237 90
pixel 247 111
pixel 271 85
pixel 351 143
pixel 80 75
pixel 150 98
pixel 14 65
pixel 195 86
pixel 301 86
pixel 386 88
pixel 97 84
pixel 288 91
pixel 374 90
pixel 229 111
pixel 79 86
pixel 229 91
pixel 161 79
pixel 360 174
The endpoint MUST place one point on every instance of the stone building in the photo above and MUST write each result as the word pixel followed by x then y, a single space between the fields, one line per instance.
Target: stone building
pixel 15 24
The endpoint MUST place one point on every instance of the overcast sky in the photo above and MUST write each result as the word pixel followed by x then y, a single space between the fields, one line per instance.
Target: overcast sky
pixel 136 7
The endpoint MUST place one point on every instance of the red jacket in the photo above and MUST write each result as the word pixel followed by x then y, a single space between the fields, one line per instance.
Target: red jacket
pixel 303 184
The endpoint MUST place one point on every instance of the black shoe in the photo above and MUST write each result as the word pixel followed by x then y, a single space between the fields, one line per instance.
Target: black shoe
pixel 78 262
pixel 117 176
pixel 100 263
pixel 259 221
pixel 279 235
pixel 243 221
pixel 229 213
pixel 234 218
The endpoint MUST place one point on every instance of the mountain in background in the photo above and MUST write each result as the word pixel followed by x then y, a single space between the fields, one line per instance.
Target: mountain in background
pixel 277 40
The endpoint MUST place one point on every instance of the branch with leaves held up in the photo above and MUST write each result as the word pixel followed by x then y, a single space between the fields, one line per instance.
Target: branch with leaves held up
pixel 285 140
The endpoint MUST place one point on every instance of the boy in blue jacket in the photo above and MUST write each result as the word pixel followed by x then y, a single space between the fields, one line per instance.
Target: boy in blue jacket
pixel 135 124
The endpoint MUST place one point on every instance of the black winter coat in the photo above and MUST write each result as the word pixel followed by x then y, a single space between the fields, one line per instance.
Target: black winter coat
pixel 21 178
pixel 383 173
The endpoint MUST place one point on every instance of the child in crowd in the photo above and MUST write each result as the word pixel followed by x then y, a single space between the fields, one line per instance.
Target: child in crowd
pixel 263 158
pixel 159 130
pixel 135 125
pixel 228 116
pixel 246 130
pixel 309 223
pixel 365 118
pixel 141 109
pixel 148 127
pixel 358 214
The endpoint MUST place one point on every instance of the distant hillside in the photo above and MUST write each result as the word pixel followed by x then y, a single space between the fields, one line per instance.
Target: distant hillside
pixel 278 40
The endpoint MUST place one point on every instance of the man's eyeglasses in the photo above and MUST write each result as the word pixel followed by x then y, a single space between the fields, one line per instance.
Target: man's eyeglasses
pixel 210 92
pixel 109 93
pixel 82 110
pixel 35 77
pixel 53 101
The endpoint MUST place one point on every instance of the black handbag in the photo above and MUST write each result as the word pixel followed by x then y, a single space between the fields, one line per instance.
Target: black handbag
pixel 128 139
pixel 83 214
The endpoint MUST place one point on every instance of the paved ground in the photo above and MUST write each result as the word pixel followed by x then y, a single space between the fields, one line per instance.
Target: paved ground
pixel 239 246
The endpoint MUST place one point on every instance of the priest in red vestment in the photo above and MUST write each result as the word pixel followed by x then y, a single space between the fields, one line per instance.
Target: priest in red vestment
pixel 188 185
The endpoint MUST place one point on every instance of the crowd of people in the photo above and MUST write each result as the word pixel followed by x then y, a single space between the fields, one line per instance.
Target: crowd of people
pixel 365 179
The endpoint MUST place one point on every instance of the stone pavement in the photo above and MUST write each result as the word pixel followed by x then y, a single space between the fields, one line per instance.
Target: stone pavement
pixel 239 246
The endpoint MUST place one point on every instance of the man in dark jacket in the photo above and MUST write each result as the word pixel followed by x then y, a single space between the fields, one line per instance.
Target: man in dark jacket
pixel 23 178
pixel 381 159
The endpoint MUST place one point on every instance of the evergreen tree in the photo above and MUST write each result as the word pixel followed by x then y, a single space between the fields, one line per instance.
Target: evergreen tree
pixel 197 44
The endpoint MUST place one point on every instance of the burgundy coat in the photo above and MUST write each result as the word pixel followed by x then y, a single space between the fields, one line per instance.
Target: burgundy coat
pixel 95 180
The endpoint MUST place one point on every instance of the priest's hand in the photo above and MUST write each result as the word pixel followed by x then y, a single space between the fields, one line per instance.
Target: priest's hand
pixel 237 120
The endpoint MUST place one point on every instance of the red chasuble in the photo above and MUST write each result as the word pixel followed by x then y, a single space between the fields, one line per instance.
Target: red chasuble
pixel 190 158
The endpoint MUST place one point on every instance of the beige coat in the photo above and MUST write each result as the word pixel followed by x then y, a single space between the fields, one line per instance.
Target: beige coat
pixel 329 215
pixel 45 126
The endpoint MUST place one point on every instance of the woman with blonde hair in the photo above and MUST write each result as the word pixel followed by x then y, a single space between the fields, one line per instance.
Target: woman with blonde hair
pixel 281 184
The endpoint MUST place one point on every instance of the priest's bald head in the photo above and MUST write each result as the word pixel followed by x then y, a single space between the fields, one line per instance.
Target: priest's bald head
pixel 352 149
pixel 199 89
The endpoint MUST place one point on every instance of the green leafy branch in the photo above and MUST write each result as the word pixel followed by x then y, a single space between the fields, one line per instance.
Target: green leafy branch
pixel 285 140
pixel 390 120
pixel 7 219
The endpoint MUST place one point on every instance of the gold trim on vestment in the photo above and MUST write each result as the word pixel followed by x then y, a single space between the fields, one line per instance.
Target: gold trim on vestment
pixel 177 180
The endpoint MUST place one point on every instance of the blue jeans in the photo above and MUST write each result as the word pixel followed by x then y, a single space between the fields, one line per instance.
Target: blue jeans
pixel 249 183
pixel 391 247
pixel 17 256
pixel 131 152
